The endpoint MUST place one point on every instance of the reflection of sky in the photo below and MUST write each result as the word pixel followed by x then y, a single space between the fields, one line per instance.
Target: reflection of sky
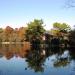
pixel 50 70
pixel 17 65
pixel 14 66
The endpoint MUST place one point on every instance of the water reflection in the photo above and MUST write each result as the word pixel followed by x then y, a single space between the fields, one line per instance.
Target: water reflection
pixel 43 60
pixel 11 50
pixel 36 61
pixel 37 58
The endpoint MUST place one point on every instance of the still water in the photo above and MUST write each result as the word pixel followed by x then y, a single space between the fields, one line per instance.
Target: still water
pixel 21 60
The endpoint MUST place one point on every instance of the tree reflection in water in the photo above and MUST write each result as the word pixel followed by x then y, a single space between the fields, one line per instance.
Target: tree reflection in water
pixel 37 61
pixel 62 60
pixel 11 50
pixel 36 58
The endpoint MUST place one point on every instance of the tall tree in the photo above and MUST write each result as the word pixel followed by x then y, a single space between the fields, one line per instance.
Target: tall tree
pixel 1 34
pixel 22 33
pixel 8 33
pixel 62 27
pixel 35 29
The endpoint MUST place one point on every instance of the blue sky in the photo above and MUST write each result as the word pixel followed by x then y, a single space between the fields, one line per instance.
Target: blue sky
pixel 16 13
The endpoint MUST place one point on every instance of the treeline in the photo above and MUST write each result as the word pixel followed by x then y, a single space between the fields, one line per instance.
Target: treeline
pixel 12 35
pixel 35 29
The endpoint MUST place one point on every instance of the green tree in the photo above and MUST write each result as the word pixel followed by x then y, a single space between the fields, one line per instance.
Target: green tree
pixel 1 30
pixel 62 27
pixel 35 29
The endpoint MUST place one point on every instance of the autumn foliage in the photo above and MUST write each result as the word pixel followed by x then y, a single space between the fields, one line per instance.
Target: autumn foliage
pixel 12 35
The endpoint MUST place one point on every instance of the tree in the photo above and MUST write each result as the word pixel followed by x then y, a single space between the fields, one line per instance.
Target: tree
pixel 1 32
pixel 22 33
pixel 35 29
pixel 72 37
pixel 62 27
pixel 8 33
pixel 8 30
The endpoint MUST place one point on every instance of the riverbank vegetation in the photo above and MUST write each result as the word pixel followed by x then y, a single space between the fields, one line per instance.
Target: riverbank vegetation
pixel 35 30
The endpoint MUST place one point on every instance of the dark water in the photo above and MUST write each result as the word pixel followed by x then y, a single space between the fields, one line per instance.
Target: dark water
pixel 19 60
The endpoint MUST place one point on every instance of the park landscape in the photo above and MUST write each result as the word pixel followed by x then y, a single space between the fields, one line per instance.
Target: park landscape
pixel 38 47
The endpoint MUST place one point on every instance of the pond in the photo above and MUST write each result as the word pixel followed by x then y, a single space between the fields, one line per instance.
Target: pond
pixel 20 60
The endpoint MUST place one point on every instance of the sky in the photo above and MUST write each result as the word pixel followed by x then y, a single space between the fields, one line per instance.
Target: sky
pixel 17 13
